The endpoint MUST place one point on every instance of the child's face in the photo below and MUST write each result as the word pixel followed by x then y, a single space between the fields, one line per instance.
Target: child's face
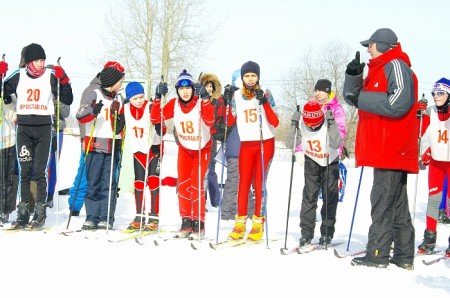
pixel 39 64
pixel 209 88
pixel 185 93
pixel 320 96
pixel 439 97
pixel 137 101
pixel 250 79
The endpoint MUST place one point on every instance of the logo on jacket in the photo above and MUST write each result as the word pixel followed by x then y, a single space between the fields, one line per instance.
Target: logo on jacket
pixel 376 85
pixel 24 154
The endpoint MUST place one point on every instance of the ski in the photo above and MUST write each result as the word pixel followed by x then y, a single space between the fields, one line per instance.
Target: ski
pixel 15 230
pixel 437 260
pixel 351 254
pixel 238 243
pixel 429 253
pixel 134 236
pixel 316 246
pixel 286 251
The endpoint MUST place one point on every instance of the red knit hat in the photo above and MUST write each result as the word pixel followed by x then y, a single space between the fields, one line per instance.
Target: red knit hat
pixel 312 114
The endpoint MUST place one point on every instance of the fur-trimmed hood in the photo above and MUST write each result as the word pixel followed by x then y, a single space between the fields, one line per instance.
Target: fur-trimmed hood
pixel 209 77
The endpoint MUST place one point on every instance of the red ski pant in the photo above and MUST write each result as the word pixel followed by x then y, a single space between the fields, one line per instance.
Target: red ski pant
pixel 250 168
pixel 189 181
pixel 436 175
pixel 140 185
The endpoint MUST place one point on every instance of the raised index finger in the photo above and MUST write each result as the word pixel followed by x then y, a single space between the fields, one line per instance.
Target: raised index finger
pixel 357 56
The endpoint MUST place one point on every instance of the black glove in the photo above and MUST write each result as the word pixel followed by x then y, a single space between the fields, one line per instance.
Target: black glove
pixel 161 89
pixel 295 118
pixel 97 108
pixel 197 88
pixel 227 95
pixel 260 96
pixel 353 98
pixel 203 93
pixel 355 67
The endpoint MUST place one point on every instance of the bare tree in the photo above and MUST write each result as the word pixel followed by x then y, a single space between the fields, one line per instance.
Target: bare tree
pixel 154 38
pixel 329 62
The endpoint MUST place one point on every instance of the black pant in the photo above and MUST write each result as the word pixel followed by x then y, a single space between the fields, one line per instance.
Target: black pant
pixel 33 151
pixel 7 163
pixel 316 178
pixel 391 220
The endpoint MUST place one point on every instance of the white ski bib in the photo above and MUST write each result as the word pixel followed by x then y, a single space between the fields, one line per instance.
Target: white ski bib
pixel 34 96
pixel 188 128
pixel 314 144
pixel 439 136
pixel 139 130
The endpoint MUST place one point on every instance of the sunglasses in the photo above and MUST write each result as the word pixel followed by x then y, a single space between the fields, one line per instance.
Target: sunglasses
pixel 184 83
pixel 438 93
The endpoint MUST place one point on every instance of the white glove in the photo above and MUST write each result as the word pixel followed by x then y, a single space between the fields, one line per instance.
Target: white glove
pixel 300 158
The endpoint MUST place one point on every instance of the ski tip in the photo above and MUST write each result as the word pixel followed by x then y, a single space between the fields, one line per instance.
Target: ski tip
pixel 193 246
pixel 212 246
pixel 336 253
pixel 155 242
pixel 283 251
pixel 137 241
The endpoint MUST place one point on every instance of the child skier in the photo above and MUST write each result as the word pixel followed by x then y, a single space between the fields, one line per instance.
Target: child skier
pixel 256 122
pixel 193 117
pixel 97 113
pixel 436 157
pixel 320 142
pixel 146 144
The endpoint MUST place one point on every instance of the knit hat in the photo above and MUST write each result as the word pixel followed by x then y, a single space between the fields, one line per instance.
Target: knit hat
pixel 250 66
pixel 382 36
pixel 116 65
pixel 33 52
pixel 442 85
pixel 323 85
pixel 184 80
pixel 133 89
pixel 312 114
pixel 109 76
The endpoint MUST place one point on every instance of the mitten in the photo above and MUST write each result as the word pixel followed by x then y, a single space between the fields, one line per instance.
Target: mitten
pixel 97 108
pixel 115 107
pixel 197 88
pixel 260 96
pixel 355 67
pixel 295 117
pixel 161 89
pixel 426 157
pixel 3 67
pixel 203 93
pixel 61 75
pixel 227 95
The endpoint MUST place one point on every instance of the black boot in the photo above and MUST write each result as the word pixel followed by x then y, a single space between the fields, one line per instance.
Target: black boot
pixel 447 251
pixel 186 228
pixel 429 242
pixel 22 216
pixel 39 216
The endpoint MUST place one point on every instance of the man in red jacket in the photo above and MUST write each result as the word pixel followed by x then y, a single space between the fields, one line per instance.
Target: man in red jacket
pixel 386 139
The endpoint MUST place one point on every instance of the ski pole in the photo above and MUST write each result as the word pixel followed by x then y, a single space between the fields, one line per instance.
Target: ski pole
pixel 2 157
pixel 290 182
pixel 200 180
pixel 57 149
pixel 223 145
pixel 354 209
pixel 113 148
pixel 327 182
pixel 161 150
pixel 82 169
pixel 420 115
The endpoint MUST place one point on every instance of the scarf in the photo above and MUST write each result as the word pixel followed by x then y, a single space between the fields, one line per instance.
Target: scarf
pixel 33 71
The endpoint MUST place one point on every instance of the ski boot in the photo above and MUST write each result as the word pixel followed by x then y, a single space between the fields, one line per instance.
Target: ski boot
pixel 136 223
pixel 429 242
pixel 447 251
pixel 39 216
pixel 256 233
pixel 198 232
pixel 239 228
pixel 88 226
pixel 4 218
pixel 103 225
pixel 186 228
pixel 305 240
pixel 22 216
pixel 325 240
pixel 153 222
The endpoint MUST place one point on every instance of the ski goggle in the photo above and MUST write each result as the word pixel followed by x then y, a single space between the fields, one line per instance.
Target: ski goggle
pixel 438 93
pixel 184 83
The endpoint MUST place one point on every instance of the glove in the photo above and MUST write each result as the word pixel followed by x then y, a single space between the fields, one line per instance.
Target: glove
pixel 115 107
pixel 355 67
pixel 3 67
pixel 295 117
pixel 260 96
pixel 197 88
pixel 353 98
pixel 329 116
pixel 203 93
pixel 227 95
pixel 426 157
pixel 422 107
pixel 300 158
pixel 61 75
pixel 97 108
pixel 161 89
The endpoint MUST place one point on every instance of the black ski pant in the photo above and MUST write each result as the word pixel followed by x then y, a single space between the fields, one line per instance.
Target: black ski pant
pixel 391 220
pixel 7 162
pixel 316 178
pixel 33 152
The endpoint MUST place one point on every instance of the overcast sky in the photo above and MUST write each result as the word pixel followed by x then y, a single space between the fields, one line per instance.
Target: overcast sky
pixel 273 33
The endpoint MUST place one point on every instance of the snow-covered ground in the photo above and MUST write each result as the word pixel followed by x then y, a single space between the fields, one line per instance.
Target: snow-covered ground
pixel 35 264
